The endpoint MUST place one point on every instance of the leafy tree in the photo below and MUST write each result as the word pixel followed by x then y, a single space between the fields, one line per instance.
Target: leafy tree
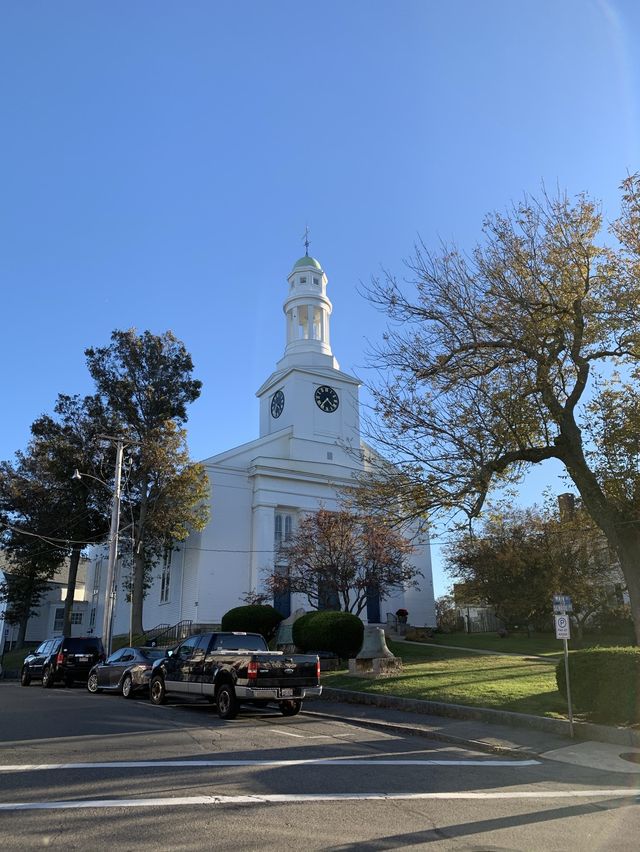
pixel 51 518
pixel 521 558
pixel 446 617
pixel 503 359
pixel 337 559
pixel 145 382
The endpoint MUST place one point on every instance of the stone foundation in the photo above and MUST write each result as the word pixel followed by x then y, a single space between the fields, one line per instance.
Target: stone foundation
pixel 375 667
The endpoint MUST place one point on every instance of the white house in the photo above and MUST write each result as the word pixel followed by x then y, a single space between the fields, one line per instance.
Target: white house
pixel 47 621
pixel 309 448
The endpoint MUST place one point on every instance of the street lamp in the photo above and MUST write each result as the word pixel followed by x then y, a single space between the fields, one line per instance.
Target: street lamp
pixel 113 543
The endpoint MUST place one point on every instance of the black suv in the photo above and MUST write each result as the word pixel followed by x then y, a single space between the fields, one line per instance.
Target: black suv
pixel 66 658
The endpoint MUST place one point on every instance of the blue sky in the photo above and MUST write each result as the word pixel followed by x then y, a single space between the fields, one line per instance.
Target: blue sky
pixel 160 161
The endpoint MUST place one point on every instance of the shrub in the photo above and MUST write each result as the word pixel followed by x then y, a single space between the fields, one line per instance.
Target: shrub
pixel 340 633
pixel 605 683
pixel 254 618
pixel 614 621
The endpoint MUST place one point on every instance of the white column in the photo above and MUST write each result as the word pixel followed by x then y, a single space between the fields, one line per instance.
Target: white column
pixel 262 533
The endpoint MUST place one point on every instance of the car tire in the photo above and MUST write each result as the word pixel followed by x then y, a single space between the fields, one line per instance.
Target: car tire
pixel 290 708
pixel 127 686
pixel 157 691
pixel 25 677
pixel 47 677
pixel 92 683
pixel 226 701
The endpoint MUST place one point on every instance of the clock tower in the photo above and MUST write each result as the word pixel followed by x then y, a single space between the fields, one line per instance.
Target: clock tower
pixel 308 393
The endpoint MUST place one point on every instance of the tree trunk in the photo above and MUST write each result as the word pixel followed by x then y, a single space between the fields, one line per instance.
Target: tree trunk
pixel 74 561
pixel 628 550
pixel 22 631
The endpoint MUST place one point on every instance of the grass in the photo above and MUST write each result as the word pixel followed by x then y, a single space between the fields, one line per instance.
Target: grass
pixel 538 644
pixel 516 684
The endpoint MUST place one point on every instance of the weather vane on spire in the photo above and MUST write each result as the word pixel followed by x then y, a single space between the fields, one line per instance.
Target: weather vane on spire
pixel 306 240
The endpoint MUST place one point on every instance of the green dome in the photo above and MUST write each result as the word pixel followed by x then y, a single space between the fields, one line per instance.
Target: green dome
pixel 307 261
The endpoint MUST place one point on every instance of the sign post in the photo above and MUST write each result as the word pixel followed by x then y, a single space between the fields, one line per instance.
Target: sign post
pixel 561 607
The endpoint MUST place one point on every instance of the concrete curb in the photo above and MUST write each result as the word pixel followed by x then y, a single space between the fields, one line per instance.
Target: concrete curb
pixel 559 727
pixel 439 736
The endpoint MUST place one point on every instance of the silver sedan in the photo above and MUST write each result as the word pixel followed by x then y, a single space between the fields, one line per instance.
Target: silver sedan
pixel 126 671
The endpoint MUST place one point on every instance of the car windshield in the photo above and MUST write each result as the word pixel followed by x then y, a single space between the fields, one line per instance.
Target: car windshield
pixel 152 653
pixel 239 642
pixel 82 646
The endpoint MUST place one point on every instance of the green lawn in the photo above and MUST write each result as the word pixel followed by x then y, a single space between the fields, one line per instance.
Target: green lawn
pixel 516 684
pixel 538 644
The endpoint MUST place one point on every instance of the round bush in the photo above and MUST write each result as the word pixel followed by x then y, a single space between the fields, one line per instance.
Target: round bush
pixel 253 619
pixel 338 633
pixel 605 683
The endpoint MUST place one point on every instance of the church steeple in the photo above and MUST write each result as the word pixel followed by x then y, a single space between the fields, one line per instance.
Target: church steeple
pixel 307 309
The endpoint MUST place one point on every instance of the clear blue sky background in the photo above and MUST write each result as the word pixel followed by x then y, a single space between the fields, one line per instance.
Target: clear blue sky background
pixel 160 161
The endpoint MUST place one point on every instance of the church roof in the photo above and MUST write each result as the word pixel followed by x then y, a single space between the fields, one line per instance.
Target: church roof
pixel 307 261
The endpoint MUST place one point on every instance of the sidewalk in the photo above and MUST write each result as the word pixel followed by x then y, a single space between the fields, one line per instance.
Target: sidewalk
pixel 600 752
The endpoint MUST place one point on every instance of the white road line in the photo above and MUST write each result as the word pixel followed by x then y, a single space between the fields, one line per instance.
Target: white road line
pixel 305 736
pixel 195 764
pixel 186 801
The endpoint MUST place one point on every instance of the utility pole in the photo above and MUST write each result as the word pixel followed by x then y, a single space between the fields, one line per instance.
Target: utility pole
pixel 113 551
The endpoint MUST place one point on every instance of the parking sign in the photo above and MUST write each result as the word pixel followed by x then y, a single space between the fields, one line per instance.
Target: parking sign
pixel 562 627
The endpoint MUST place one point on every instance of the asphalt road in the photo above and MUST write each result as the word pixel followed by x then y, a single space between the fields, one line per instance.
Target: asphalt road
pixel 80 771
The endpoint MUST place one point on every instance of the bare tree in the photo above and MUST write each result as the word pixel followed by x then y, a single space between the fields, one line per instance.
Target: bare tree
pixel 505 358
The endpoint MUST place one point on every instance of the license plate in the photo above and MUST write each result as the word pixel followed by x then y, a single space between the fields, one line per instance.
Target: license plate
pixel 84 659
pixel 286 693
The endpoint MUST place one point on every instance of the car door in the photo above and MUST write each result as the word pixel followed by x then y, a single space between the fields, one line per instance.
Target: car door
pixel 109 669
pixel 39 656
pixel 178 666
pixel 196 669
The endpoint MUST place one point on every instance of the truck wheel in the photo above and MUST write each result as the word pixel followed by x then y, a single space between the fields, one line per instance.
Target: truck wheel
pixel 25 677
pixel 227 702
pixel 290 708
pixel 157 691
pixel 47 677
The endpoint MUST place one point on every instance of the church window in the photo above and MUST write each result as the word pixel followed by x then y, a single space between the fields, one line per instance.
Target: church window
pixel 303 279
pixel 76 617
pixel 283 529
pixel 316 281
pixel 165 577
pixel 317 324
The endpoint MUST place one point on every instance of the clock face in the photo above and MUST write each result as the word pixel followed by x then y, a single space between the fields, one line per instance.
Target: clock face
pixel 326 399
pixel 277 404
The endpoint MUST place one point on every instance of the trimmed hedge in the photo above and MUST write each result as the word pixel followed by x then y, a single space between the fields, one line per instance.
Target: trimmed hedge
pixel 340 633
pixel 605 683
pixel 253 619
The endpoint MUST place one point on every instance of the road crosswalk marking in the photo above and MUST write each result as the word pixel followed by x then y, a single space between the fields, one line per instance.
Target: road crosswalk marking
pixel 186 801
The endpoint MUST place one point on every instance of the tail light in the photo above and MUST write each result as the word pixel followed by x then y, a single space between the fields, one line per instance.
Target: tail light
pixel 318 667
pixel 60 658
pixel 252 670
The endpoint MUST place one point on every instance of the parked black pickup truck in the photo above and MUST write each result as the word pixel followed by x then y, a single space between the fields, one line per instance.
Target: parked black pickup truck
pixel 234 668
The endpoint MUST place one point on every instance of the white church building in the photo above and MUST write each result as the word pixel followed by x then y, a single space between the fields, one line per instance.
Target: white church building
pixel 308 450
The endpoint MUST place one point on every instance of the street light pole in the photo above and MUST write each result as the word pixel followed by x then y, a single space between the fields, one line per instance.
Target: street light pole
pixel 113 552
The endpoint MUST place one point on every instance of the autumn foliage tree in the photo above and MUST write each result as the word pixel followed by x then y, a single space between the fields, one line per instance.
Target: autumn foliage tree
pixel 145 382
pixel 338 559
pixel 506 357
pixel 520 558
